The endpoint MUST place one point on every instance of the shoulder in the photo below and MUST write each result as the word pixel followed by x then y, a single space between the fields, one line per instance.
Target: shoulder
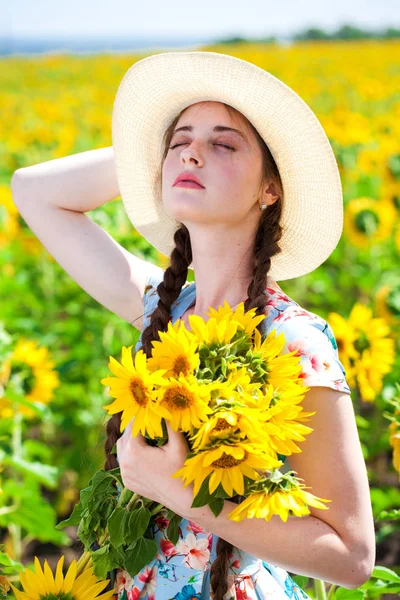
pixel 312 337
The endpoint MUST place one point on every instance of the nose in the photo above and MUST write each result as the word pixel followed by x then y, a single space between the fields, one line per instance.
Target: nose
pixel 190 153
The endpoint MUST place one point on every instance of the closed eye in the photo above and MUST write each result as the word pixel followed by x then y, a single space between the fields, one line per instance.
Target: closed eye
pixel 181 144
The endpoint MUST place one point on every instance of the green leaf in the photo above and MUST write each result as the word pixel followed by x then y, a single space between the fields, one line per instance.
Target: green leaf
pixel 117 526
pixel 139 519
pixel 45 474
pixel 173 529
pixel 217 505
pixel 385 574
pixel 142 554
pixel 345 594
pixel 101 561
pixel 73 519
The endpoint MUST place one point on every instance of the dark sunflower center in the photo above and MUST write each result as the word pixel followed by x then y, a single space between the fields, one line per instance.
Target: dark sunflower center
pixel 221 425
pixel 138 391
pixel 367 221
pixel 177 397
pixel 362 343
pixel 227 461
pixel 181 365
pixel 23 373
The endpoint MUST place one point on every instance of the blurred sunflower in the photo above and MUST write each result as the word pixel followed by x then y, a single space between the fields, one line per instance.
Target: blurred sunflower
pixel 387 302
pixel 391 192
pixel 368 221
pixel 279 499
pixel 397 235
pixel 9 224
pixel 132 387
pixel 394 440
pixel 42 585
pixel 370 353
pixel 227 464
pixel 176 352
pixel 32 367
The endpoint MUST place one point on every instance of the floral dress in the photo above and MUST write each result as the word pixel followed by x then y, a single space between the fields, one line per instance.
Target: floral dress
pixel 182 572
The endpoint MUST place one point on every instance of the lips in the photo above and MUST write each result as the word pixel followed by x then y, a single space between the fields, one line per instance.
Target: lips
pixel 188 178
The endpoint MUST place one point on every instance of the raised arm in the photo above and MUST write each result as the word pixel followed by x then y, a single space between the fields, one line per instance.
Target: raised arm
pixel 52 198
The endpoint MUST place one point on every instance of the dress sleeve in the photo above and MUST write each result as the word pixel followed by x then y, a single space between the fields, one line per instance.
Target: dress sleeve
pixel 316 344
pixel 155 274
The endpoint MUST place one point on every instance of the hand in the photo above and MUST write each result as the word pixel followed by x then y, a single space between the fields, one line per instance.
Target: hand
pixel 147 470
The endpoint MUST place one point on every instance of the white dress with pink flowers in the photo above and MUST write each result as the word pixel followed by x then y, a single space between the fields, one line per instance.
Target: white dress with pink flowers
pixel 182 572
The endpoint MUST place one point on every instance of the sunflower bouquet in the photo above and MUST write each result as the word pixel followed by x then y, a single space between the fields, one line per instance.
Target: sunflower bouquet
pixel 236 398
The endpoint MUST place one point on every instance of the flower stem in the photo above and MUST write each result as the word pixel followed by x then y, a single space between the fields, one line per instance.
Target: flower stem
pixel 320 591
pixel 15 529
pixel 85 561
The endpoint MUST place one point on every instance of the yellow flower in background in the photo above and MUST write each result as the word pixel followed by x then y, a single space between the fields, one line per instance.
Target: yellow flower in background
pixel 247 321
pixel 368 221
pixel 394 441
pixel 184 402
pixel 345 336
pixel 176 352
pixel 371 352
pixel 391 192
pixel 41 584
pixel 387 303
pixel 9 224
pixel 34 369
pixel 132 387
pixel 262 505
pixel 227 464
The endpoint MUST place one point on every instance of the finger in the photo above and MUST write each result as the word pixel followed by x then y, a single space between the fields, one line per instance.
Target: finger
pixel 176 439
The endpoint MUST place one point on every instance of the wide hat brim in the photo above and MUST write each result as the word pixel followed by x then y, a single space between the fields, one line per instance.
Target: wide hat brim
pixel 156 88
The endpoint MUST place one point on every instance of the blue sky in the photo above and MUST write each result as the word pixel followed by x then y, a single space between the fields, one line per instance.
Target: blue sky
pixel 92 18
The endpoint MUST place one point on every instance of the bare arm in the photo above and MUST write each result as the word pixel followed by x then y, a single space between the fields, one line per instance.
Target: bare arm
pixel 79 182
pixel 52 198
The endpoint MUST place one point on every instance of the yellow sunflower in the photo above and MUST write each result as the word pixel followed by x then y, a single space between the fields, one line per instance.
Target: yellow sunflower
pixel 176 352
pixel 387 301
pixel 237 386
pixel 262 505
pixel 394 440
pixel 368 221
pixel 213 330
pixel 133 388
pixel 345 336
pixel 35 368
pixel 247 321
pixel 41 584
pixel 375 351
pixel 184 402
pixel 283 369
pixel 227 464
pixel 282 422
pixel 238 420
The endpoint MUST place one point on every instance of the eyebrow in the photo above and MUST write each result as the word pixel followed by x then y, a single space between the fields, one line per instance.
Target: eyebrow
pixel 217 128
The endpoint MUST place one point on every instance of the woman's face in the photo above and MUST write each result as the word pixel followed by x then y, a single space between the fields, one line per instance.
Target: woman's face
pixel 231 177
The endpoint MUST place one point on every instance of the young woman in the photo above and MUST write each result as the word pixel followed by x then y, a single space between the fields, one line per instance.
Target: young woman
pixel 267 206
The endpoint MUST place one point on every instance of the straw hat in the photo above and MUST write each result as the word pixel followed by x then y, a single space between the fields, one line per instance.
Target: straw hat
pixel 155 89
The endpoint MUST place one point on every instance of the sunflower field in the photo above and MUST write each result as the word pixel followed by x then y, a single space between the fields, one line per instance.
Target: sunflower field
pixel 55 339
